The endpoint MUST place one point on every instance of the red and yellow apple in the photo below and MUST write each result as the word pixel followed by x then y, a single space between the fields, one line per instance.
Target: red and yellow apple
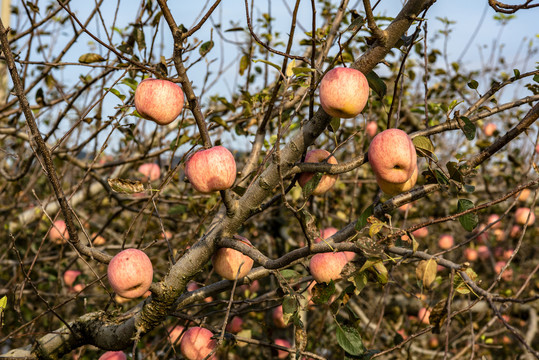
pixel 226 262
pixel 159 100
pixel 471 254
pixel 281 354
pixel 521 216
pixel 130 273
pixel 175 334
pixel 395 189
pixel 489 129
pixel 113 355
pixel 493 218
pixel 325 267
pixel 344 92
pixel 150 171
pixel 327 181
pixel 277 317
pixel 70 276
pixel 58 233
pixel 211 170
pixel 235 325
pixel 197 344
pixel 371 129
pixel 421 232
pixel 446 241
pixel 424 316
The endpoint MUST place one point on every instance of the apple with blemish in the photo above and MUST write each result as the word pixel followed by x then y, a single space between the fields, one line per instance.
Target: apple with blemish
pixel 211 170
pixel 344 92
pixel 327 181
pixel 227 262
pixel 159 100
pixel 130 273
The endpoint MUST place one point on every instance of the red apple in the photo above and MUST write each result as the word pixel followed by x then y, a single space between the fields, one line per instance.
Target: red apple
pixel 471 254
pixel 130 273
pixel 98 240
pixel 393 158
pixel 113 355
pixel 151 171
pixel 326 233
pixel 344 92
pixel 235 325
pixel 423 315
pixel 281 354
pixel 78 287
pixel 507 274
pixel 58 233
pixel 197 343
pixel 277 317
pixel 327 181
pixel 175 334
pixel 492 218
pixel 395 189
pixel 499 234
pixel 524 195
pixel 421 232
pixel 192 286
pixel 483 252
pixel 483 238
pixel 159 100
pixel 405 207
pixel 211 170
pixel 371 129
pixel 507 254
pixel 325 267
pixel 521 216
pixel 489 129
pixel 446 241
pixel 226 262
pixel 515 232
pixel 70 276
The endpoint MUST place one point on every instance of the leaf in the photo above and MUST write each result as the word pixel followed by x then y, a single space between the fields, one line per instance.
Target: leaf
pixel 124 186
pixel 139 38
pixel 454 172
pixel 302 70
pixel 440 177
pixel 350 340
pixel 536 78
pixel 468 128
pixel 130 82
pixel 289 274
pixel 116 92
pixel 323 292
pixel 380 271
pixel 473 84
pixel 460 286
pixel 359 280
pixel 517 73
pixel 438 315
pixel 423 146
pixel 3 306
pixel 244 63
pixel 311 185
pixel 289 68
pixel 205 48
pixel 290 307
pixel 334 124
pixel 91 58
pixel 376 84
pixel 426 272
pixel 375 228
pixel 362 220
pixel 268 63
pixel 177 210
pixel 468 221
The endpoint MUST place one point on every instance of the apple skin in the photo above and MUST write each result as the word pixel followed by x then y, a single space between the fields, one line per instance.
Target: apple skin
pixel 192 286
pixel 175 334
pixel 70 276
pixel 159 100
pixel 524 195
pixel 329 232
pixel 277 317
pixel 489 129
pixel 371 129
pixel 483 252
pixel 327 181
pixel 471 254
pixel 58 233
pixel 521 215
pixel 325 267
pixel 235 325
pixel 423 315
pixel 130 273
pixel 226 262
pixel 344 92
pixel 492 218
pixel 196 344
pixel 211 170
pixel 113 355
pixel 446 241
pixel 281 354
pixel 98 240
pixel 421 232
pixel 392 156
pixel 395 189
pixel 151 171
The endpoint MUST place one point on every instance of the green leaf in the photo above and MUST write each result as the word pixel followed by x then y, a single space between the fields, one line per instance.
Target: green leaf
pixel 91 58
pixel 460 286
pixel 289 274
pixel 131 83
pixel 454 172
pixel 311 185
pixel 536 78
pixel 440 177
pixel 468 128
pixel 362 220
pixel 468 221
pixel 376 84
pixel 423 146
pixel 116 92
pixel 244 63
pixel 3 306
pixel 323 292
pixel 177 210
pixel 205 48
pixel 139 38
pixel 517 73
pixel 473 84
pixel 350 340
pixel 268 63
pixel 290 306
pixel 334 124
pixel 299 70
pixel 469 188
pixel 359 279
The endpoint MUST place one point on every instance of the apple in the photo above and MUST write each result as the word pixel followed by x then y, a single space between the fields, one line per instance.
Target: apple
pixel 421 232
pixel 130 273
pixel 58 233
pixel 70 276
pixel 235 325
pixel 483 238
pixel 483 252
pixel 344 92
pixel 489 129
pixel 492 218
pixel 471 254
pixel 211 170
pixel 197 344
pixel 515 232
pixel 537 148
pixel 499 234
pixel 446 241
pixel 78 287
pixel 98 240
pixel 175 334
pixel 371 128
pixel 327 181
pixel 395 189
pixel 159 100
pixel 192 286
pixel 325 267
pixel 326 233
pixel 113 355
pixel 524 195
pixel 507 254
pixel 423 315
pixel 281 354
pixel 393 158
pixel 521 216
pixel 151 171
pixel 507 274
pixel 277 317
pixel 405 207
pixel 226 262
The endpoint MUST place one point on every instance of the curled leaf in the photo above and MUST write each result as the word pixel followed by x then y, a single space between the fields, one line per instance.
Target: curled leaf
pixel 91 58
pixel 124 186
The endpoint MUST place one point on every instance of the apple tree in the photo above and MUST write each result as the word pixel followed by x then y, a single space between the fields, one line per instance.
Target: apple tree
pixel 242 172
